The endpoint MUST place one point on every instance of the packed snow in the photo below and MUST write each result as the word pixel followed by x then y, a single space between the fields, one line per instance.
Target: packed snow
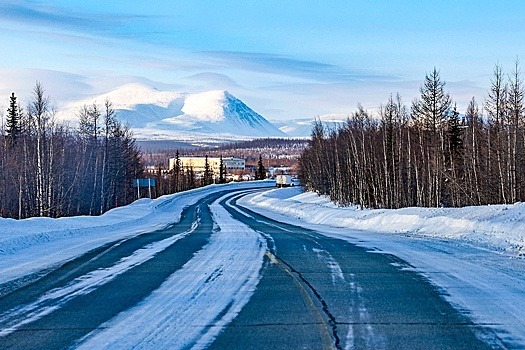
pixel 496 227
pixel 474 255
pixel 210 279
pixel 83 285
pixel 33 244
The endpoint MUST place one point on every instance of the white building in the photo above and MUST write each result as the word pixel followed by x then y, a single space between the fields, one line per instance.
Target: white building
pixel 232 165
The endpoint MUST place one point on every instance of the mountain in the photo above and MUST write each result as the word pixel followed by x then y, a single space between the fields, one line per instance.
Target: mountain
pixel 218 112
pixel 163 115
pixel 303 127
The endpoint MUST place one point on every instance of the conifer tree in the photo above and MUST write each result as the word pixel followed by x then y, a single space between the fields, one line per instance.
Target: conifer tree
pixel 260 174
pixel 191 177
pixel 13 125
pixel 208 173
pixel 430 110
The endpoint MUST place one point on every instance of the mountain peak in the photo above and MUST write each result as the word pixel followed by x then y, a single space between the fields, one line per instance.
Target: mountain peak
pixel 219 112
pixel 155 114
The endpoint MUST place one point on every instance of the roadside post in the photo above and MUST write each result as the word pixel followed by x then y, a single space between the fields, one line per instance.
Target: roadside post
pixel 148 182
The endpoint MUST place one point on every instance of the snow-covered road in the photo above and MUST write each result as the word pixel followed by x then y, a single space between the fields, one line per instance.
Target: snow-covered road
pixel 473 255
pixel 210 289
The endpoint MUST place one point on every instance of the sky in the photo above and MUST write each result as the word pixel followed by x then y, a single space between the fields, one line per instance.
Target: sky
pixel 285 59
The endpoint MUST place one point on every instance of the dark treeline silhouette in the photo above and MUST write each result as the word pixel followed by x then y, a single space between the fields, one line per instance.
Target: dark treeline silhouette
pixel 274 143
pixel 181 178
pixel 49 169
pixel 428 156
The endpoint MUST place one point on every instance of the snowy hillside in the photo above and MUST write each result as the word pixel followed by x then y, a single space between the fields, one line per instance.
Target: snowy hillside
pixel 303 127
pixel 135 104
pixel 154 114
pixel 218 112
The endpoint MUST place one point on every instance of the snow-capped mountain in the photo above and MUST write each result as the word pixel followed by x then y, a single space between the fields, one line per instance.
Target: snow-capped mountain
pixel 218 112
pixel 154 114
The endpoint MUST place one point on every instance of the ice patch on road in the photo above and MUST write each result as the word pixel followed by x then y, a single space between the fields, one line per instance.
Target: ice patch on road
pixel 196 302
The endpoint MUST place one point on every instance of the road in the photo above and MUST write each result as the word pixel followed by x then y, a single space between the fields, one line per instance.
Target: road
pixel 313 292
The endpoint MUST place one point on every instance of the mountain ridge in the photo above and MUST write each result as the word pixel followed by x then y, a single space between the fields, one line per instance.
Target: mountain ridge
pixel 156 114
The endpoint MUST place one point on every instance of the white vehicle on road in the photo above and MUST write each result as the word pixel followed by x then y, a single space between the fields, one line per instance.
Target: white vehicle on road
pixel 283 181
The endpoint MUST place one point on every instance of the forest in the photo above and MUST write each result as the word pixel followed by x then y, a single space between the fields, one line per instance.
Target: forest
pixel 49 169
pixel 425 155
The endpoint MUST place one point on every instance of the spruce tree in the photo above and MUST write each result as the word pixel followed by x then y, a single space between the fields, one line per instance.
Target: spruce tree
pixel 177 170
pixel 455 134
pixel 191 178
pixel 13 127
pixel 208 173
pixel 260 174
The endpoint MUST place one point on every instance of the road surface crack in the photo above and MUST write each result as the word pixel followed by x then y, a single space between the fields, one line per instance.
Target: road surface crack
pixel 332 323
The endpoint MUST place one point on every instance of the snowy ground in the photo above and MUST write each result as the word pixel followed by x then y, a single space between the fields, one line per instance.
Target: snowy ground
pixel 475 255
pixel 33 244
pixel 497 227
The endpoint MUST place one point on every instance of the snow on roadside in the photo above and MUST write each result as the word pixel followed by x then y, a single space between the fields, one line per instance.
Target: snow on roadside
pixel 472 255
pixel 85 284
pixel 498 227
pixel 34 244
pixel 209 290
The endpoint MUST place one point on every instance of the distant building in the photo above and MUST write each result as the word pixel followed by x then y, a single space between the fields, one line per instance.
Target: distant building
pixel 233 165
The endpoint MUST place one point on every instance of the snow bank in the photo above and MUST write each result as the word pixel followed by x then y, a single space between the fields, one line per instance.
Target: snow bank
pixel 33 244
pixel 497 227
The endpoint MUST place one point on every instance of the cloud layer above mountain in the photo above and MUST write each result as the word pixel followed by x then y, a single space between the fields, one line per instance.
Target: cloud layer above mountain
pixel 286 59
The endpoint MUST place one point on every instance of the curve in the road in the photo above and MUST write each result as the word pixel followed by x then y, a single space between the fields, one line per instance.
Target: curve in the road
pixel 312 291
pixel 371 300
pixel 54 311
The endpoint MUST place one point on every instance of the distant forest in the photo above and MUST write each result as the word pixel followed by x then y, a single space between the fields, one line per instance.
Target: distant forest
pixel 428 155
pixel 49 169
pixel 275 152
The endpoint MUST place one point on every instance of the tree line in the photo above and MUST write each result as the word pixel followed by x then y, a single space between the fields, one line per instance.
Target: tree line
pixel 50 169
pixel 428 155
pixel 182 178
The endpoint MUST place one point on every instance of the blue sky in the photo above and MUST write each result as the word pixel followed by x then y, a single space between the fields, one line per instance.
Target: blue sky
pixel 285 59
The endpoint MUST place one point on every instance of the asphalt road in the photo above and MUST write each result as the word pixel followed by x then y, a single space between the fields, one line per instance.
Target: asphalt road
pixel 323 293
pixel 61 328
pixel 315 293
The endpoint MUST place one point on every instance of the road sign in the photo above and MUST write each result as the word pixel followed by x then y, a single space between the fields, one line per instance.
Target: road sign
pixel 150 182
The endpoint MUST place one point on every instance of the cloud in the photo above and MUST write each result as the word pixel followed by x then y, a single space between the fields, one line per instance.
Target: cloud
pixel 105 84
pixel 215 80
pixel 59 86
pixel 278 64
pixel 36 14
